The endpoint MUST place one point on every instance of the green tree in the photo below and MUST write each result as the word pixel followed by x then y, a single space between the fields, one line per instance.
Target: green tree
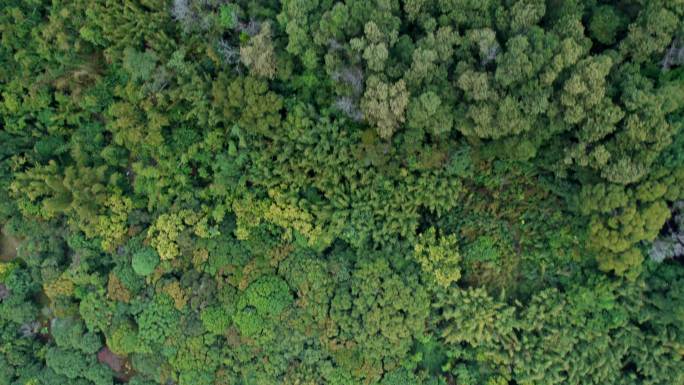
pixel 260 306
pixel 605 23
pixel 145 261
pixel 215 319
pixel 248 103
pixel 70 333
pixel 375 319
pixel 157 321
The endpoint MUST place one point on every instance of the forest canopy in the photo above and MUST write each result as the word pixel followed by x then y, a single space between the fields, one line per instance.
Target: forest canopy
pixel 304 192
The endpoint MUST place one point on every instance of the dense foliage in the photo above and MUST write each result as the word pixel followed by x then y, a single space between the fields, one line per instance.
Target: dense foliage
pixel 253 192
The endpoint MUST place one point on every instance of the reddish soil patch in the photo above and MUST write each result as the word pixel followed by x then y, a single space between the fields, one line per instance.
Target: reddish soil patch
pixel 119 365
pixel 112 360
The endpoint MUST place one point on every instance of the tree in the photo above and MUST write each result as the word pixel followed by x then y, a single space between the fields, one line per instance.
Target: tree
pixel 259 55
pixel 428 113
pixel 248 103
pixel 73 365
pixel 215 319
pixel 605 23
pixel 614 240
pixel 77 191
pixel 478 331
pixel 384 105
pixel 157 321
pixel 163 234
pixel 260 306
pixel 196 360
pixel 70 333
pixel 375 318
pixel 145 261
pixel 124 340
pixel 438 256
pixel 651 32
